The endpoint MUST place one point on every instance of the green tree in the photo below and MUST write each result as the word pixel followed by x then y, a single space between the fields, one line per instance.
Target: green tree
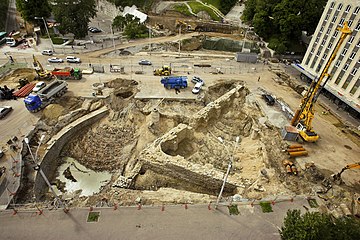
pixel 30 9
pixel 119 22
pixel 226 5
pixel 249 11
pixel 318 226
pixel 135 29
pixel 74 16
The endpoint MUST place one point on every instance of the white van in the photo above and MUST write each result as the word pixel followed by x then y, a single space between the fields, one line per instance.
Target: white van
pixel 47 52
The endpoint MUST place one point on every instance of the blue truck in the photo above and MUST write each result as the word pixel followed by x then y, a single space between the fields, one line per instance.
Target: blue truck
pixel 174 82
pixel 45 96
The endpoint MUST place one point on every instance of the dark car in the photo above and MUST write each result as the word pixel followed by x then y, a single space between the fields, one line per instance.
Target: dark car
pixel 94 30
pixel 145 62
pixel 4 111
pixel 196 79
pixel 268 99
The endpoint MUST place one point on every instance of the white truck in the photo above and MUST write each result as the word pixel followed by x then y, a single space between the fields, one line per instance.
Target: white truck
pixel 35 102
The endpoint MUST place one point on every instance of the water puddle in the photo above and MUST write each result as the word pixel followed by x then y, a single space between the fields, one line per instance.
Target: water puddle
pixel 77 177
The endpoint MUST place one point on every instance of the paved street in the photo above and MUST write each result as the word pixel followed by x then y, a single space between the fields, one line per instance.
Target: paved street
pixel 175 222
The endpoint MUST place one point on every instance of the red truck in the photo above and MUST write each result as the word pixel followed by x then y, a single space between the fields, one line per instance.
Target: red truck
pixel 67 73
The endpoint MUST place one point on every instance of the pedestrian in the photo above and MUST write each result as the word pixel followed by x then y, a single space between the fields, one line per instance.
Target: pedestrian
pixel 11 59
pixel 259 79
pixel 177 90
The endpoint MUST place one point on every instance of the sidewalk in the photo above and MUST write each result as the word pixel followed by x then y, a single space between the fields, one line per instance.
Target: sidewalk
pixel 153 222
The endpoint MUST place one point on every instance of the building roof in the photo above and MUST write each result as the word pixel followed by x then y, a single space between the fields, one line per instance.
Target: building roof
pixel 133 11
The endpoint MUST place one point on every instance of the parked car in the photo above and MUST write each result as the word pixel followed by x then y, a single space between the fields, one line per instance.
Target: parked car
pixel 47 52
pixel 144 62
pixel 196 79
pixel 72 59
pixel 197 88
pixel 55 60
pixel 94 30
pixel 39 86
pixel 268 99
pixel 4 111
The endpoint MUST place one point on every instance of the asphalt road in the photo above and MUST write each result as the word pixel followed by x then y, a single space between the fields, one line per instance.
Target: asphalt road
pixel 11 17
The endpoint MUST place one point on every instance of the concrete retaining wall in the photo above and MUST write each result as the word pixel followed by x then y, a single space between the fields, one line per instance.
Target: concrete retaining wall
pixel 56 144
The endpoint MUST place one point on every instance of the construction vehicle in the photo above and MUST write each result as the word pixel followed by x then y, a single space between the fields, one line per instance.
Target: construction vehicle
pixel 40 71
pixel 305 114
pixel 45 96
pixel 67 73
pixel 174 82
pixel 337 177
pixel 163 71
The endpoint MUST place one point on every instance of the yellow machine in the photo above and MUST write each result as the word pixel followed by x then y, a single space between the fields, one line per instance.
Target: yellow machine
pixel 337 177
pixel 41 72
pixel 305 114
pixel 163 71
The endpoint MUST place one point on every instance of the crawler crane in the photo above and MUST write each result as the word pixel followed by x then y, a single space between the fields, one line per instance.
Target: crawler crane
pixel 305 114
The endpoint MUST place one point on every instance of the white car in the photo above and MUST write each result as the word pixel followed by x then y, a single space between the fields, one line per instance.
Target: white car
pixel 72 59
pixel 39 86
pixel 47 52
pixel 197 88
pixel 55 60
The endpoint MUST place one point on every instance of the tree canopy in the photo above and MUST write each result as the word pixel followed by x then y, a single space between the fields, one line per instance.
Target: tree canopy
pixel 314 225
pixel 281 21
pixel 74 16
pixel 132 26
pixel 30 9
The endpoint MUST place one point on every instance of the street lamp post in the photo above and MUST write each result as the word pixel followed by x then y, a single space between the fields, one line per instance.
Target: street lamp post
pixel 34 158
pixel 47 30
pixel 229 167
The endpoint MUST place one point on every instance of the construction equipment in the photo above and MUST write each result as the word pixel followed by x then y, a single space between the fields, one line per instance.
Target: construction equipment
pixel 163 71
pixel 337 177
pixel 45 96
pixel 67 73
pixel 40 71
pixel 174 82
pixel 305 114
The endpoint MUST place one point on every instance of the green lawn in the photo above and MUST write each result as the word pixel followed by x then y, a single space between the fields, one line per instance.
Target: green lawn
pixel 215 3
pixel 197 7
pixel 3 10
pixel 182 8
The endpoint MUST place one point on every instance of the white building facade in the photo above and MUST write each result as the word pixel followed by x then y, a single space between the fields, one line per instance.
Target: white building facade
pixel 344 82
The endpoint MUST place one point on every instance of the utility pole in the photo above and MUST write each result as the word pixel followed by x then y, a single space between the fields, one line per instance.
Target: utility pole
pixel 179 39
pixel 150 40
pixel 47 30
pixel 228 169
pixel 37 167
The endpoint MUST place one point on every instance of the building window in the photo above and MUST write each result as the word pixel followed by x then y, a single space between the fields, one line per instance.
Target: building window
pixel 327 17
pixel 330 45
pixel 344 52
pixel 350 23
pixel 352 55
pixel 317 40
pixel 339 7
pixel 351 39
pixel 328 31
pixel 342 21
pixel 312 50
pixel 347 8
pixel 358 44
pixel 323 42
pixel 354 71
pixel 355 87
pixel 334 19
pixel 318 53
pixel 337 63
pixel 346 67
pixel 324 56
pixel 335 34
pixel 332 5
pixel 357 27
pixel 356 11
pixel 318 67
pixel 321 29
pixel 338 80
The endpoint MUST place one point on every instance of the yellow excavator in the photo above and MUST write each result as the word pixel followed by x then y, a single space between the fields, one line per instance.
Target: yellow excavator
pixel 305 114
pixel 42 73
pixel 337 177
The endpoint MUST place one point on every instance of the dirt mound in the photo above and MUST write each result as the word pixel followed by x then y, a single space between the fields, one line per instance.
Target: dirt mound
pixel 19 73
pixel 120 82
pixel 52 112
